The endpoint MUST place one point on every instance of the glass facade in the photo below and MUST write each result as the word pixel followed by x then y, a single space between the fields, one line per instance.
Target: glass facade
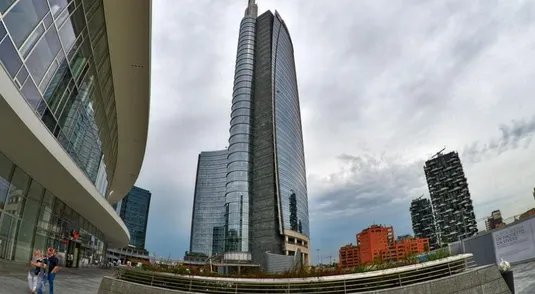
pixel 208 218
pixel 134 210
pixel 289 153
pixel 33 218
pixel 239 150
pixel 56 52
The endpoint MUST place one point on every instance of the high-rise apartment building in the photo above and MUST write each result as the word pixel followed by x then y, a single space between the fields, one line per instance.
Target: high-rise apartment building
pixel 266 202
pixel 208 221
pixel 423 220
pixel 450 197
pixel 74 109
pixel 134 211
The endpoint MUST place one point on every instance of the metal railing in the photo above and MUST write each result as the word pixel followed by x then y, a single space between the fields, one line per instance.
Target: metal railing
pixel 348 283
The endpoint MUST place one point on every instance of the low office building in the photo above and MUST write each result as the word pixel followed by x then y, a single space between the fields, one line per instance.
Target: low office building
pixel 494 221
pixel 74 108
pixel 348 256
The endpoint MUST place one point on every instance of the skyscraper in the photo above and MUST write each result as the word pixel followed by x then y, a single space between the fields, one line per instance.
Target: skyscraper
pixel 208 221
pixel 452 205
pixel 266 155
pixel 423 220
pixel 266 202
pixel 134 211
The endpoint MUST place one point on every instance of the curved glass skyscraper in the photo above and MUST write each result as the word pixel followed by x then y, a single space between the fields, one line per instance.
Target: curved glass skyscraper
pixel 266 202
pixel 239 150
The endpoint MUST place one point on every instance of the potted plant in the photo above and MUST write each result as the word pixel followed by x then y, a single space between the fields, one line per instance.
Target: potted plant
pixel 507 275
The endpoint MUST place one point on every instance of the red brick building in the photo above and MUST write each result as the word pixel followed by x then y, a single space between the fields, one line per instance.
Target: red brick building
pixel 373 242
pixel 377 244
pixel 348 256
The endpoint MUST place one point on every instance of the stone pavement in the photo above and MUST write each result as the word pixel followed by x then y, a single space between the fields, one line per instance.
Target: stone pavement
pixel 524 278
pixel 13 279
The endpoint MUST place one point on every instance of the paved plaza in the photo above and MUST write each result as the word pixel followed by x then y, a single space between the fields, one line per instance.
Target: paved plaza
pixel 13 280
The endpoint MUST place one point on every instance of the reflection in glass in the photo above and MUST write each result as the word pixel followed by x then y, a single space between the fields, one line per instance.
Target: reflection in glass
pixel 32 40
pixel 6 167
pixel 10 57
pixel 31 94
pixel 56 6
pixel 4 5
pixel 24 242
pixel 23 17
pixel 43 55
pixel 8 228
pixel 17 192
pixel 289 136
pixel 208 220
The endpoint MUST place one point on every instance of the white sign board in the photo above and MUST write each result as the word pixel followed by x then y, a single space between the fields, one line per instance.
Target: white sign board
pixel 515 243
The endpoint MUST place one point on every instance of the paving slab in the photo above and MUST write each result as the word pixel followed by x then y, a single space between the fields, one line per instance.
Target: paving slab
pixel 524 275
pixel 13 279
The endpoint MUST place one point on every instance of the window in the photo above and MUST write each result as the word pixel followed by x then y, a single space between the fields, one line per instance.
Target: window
pixel 24 241
pixel 44 53
pixel 10 57
pixel 23 18
pixel 6 167
pixel 17 191
pixel 31 94
pixel 8 225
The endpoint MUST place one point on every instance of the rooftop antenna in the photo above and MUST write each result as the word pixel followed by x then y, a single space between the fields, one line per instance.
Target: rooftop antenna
pixel 252 9
pixel 439 153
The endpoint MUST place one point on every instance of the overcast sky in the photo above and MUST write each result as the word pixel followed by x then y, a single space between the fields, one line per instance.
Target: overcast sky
pixel 383 85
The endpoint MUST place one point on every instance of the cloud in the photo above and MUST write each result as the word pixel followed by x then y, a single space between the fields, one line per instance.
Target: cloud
pixel 383 85
pixel 518 133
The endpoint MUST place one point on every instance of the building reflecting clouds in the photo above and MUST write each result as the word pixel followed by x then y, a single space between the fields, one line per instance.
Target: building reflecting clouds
pixel 208 221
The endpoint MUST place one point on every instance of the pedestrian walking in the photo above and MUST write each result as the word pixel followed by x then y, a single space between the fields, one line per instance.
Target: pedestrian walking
pixel 52 267
pixel 35 273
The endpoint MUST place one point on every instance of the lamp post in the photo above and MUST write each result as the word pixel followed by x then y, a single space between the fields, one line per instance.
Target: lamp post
pixel 318 256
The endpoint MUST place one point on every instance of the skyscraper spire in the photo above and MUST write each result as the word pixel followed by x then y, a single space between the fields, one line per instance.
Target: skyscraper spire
pixel 252 9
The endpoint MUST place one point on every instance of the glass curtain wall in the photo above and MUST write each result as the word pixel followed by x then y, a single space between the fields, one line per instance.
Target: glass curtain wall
pixel 33 218
pixel 57 55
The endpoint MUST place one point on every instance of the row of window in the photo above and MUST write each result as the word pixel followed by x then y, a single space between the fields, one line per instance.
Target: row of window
pixel 33 218
pixel 56 52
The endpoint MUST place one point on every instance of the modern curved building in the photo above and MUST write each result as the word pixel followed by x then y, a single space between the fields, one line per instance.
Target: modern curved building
pixel 74 108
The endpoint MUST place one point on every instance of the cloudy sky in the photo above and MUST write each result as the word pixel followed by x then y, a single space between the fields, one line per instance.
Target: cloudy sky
pixel 383 86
